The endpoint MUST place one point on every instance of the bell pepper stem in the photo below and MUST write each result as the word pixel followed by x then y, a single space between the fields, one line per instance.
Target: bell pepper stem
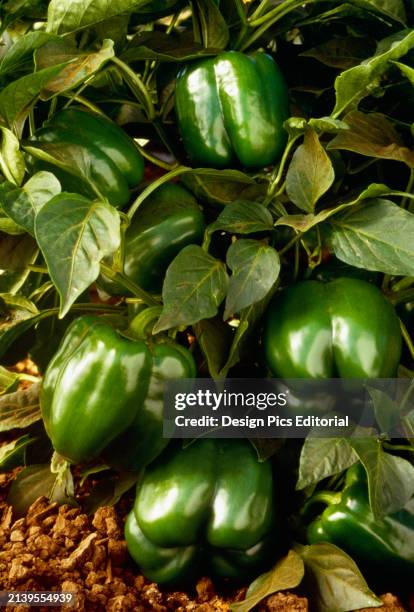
pixel 142 324
pixel 321 497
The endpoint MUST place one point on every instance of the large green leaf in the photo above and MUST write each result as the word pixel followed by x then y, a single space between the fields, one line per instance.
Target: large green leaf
pixel 243 217
pixel 333 580
pixel 323 457
pixel 393 9
pixel 210 26
pixel 286 574
pixel 377 236
pixel 214 338
pixel 164 48
pixel 12 162
pixel 37 481
pixel 354 84
pixel 194 287
pixel 17 97
pixel 255 266
pixel 390 478
pixel 16 253
pixel 21 52
pixel 71 15
pixel 310 173
pixel 79 66
pixel 74 235
pixel 372 135
pixel 20 409
pixel 22 203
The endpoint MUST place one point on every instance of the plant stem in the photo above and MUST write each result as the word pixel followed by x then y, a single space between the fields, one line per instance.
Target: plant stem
pixel 408 189
pixel 119 277
pixel 290 244
pixel 274 182
pixel 398 447
pixel 407 339
pixel 137 87
pixel 85 103
pixel 269 19
pixel 153 186
pixel 154 160
pixel 403 283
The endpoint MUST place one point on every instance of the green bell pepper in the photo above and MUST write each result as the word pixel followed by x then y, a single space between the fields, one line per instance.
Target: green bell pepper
pixel 167 221
pixel 110 162
pixel 343 328
pixel 206 507
pixel 231 110
pixel 382 547
pixel 102 394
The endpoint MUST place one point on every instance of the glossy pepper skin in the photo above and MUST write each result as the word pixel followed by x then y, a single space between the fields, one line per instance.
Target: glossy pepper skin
pixel 231 109
pixel 102 394
pixel 342 328
pixel 208 507
pixel 166 222
pixel 380 546
pixel 113 162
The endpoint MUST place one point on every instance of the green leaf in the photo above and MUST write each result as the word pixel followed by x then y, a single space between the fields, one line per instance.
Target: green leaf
pixel 37 481
pixel 323 457
pixel 211 24
pixel 249 319
pixel 20 409
pixel 12 162
pixel 255 268
pixel 390 478
pixel 195 285
pixel 69 157
pixel 214 338
pixel 295 126
pixel 21 51
pixel 243 217
pixel 71 15
pixel 221 186
pixel 108 492
pixel 78 68
pixel 8 226
pixel 12 454
pixel 334 581
pixel 22 203
pixel 74 235
pixel 17 97
pixel 372 135
pixel 342 52
pixel 8 380
pixel 16 253
pixel 286 574
pixel 310 173
pixel 356 83
pixel 163 47
pixel 12 329
pixel 327 124
pixel 387 411
pixel 377 236
pixel 407 71
pixel 393 9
